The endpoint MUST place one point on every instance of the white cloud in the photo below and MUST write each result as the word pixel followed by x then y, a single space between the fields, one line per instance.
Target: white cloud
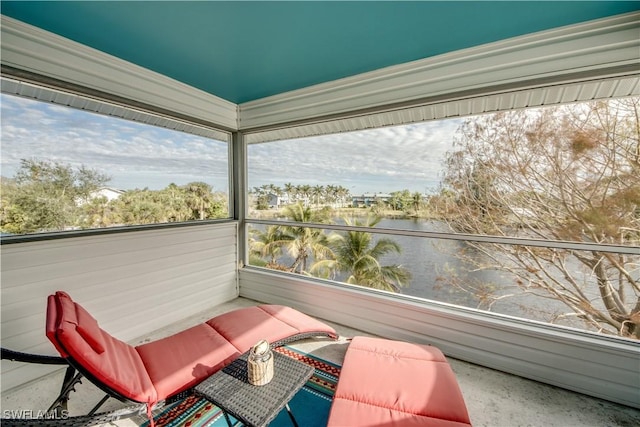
pixel 386 159
pixel 135 155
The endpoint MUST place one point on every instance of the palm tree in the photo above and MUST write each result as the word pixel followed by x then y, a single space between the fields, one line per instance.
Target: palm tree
pixel 343 194
pixel 199 198
pixel 416 198
pixel 174 198
pixel 289 190
pixel 331 192
pixel 261 197
pixel 357 255
pixel 303 243
pixel 305 192
pixel 317 191
pixel 266 246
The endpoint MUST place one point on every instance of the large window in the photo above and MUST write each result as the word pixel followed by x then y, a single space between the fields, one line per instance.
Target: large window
pixel 530 213
pixel 68 169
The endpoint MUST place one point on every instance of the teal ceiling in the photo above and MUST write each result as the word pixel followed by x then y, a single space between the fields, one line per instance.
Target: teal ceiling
pixel 243 50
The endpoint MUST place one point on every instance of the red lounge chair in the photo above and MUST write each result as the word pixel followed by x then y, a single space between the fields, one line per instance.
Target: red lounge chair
pixel 162 370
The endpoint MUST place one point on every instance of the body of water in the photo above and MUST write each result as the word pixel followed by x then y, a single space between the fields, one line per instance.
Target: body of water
pixel 435 269
pixel 432 263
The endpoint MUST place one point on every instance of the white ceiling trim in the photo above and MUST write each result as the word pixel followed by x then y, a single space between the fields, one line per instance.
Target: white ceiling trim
pixel 34 50
pixel 572 54
pixel 27 90
pixel 538 97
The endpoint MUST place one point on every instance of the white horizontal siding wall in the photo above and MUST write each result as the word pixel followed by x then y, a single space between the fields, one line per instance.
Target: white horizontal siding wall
pixel 133 283
pixel 600 367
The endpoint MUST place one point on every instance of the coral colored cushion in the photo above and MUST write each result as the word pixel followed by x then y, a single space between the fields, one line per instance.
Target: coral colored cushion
pixel 53 309
pixel 392 383
pixel 298 320
pixel 245 327
pixel 183 360
pixel 119 367
pixel 89 330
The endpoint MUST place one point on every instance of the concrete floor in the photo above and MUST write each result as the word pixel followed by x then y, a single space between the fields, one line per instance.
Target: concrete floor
pixel 493 398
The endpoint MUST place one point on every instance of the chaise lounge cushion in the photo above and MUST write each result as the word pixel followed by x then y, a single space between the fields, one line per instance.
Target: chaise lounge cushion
pixel 243 328
pixel 154 371
pixel 396 384
pixel 181 361
pixel 118 368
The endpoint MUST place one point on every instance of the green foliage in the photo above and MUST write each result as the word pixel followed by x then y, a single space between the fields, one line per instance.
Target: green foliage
pixel 358 254
pixel 317 195
pixel 353 253
pixel 266 244
pixel 50 196
pixel 44 196
pixel 190 202
pixel 401 200
pixel 302 243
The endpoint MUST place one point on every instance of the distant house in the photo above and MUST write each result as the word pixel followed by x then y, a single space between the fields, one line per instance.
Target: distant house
pixel 369 199
pixel 276 201
pixel 108 192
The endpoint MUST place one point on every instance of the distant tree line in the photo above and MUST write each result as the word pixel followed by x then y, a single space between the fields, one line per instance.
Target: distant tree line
pixel 308 195
pixel 46 196
pixel 333 196
pixel 405 201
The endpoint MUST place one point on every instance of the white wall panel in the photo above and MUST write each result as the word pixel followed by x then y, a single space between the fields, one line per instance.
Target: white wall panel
pixel 589 364
pixel 133 283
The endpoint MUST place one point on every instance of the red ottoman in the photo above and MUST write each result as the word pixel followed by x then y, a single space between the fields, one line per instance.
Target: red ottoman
pixel 393 383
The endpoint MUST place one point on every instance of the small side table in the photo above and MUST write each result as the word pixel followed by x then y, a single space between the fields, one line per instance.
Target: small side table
pixel 255 406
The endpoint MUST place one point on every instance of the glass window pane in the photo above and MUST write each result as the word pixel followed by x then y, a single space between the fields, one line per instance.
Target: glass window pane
pixel 560 174
pixel 587 290
pixel 67 169
pixel 568 172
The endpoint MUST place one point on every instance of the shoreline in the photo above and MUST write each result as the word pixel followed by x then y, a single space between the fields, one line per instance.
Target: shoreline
pixel 341 212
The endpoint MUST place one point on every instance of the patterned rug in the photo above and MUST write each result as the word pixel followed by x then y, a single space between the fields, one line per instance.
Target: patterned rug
pixel 310 405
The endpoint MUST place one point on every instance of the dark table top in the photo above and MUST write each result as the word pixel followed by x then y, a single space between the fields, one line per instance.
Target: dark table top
pixel 256 406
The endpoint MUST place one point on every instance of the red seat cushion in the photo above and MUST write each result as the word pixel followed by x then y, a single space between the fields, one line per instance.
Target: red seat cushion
pixel 183 360
pixel 392 383
pixel 89 330
pixel 245 327
pixel 298 320
pixel 118 366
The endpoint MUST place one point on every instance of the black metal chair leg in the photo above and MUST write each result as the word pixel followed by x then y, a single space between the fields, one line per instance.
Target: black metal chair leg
pixel 99 404
pixel 70 380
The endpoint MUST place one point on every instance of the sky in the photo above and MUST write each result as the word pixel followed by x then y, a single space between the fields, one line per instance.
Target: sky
pixel 377 160
pixel 134 155
pixel 137 156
